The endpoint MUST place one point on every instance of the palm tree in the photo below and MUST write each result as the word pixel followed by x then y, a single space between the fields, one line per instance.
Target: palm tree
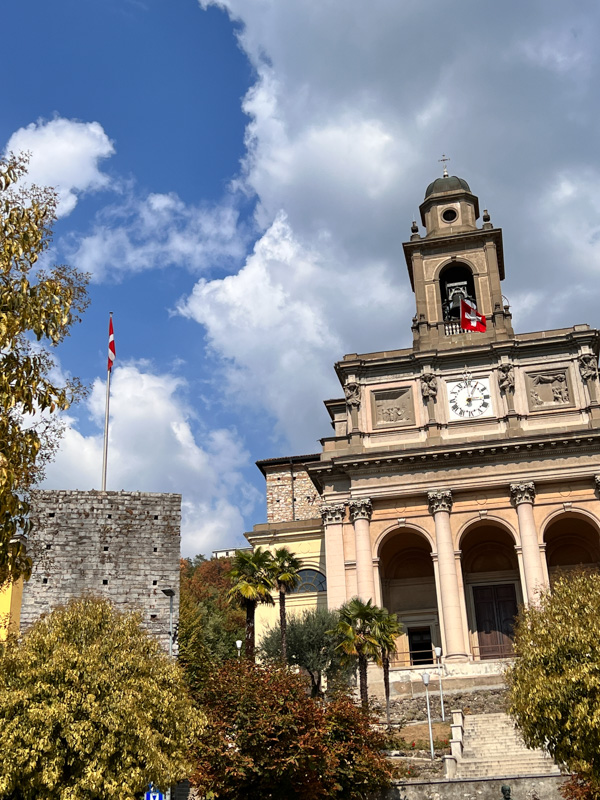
pixel 357 630
pixel 251 584
pixel 386 630
pixel 284 569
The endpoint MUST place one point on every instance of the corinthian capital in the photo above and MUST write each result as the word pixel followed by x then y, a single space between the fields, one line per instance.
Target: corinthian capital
pixel 332 514
pixel 439 501
pixel 522 492
pixel 360 509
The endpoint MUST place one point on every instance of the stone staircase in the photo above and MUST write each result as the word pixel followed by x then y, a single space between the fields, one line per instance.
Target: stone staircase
pixel 487 745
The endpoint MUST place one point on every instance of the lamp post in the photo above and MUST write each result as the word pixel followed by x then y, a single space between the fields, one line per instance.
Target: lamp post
pixel 425 679
pixel 238 644
pixel 170 593
pixel 438 655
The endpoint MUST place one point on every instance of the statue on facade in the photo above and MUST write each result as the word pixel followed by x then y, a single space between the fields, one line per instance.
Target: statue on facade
pixel 588 367
pixel 352 394
pixel 506 378
pixel 429 386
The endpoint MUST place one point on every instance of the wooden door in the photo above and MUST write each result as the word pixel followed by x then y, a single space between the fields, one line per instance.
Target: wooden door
pixel 495 612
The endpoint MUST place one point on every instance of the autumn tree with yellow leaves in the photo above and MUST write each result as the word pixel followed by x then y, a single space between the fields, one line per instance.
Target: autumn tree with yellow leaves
pixel 91 707
pixel 37 309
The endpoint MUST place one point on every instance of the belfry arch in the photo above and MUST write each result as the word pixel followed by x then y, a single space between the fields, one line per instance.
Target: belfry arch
pixel 572 541
pixel 455 283
pixel 409 590
pixel 493 592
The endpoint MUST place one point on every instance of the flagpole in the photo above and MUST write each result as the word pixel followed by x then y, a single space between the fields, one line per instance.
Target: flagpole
pixel 108 371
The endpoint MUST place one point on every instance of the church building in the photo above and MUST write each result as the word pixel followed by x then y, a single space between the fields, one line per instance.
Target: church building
pixel 462 473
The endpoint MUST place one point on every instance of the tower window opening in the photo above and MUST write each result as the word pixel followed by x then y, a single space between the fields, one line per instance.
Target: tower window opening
pixel 456 284
pixel 449 215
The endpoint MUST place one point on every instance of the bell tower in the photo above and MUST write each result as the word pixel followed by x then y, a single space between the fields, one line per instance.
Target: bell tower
pixel 455 260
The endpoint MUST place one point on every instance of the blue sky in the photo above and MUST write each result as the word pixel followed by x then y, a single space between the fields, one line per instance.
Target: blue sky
pixel 239 176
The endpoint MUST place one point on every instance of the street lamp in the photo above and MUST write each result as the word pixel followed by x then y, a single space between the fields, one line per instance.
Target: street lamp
pixel 438 655
pixel 425 679
pixel 170 593
pixel 238 644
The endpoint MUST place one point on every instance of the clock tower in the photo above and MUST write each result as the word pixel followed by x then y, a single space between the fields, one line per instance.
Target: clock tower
pixel 462 473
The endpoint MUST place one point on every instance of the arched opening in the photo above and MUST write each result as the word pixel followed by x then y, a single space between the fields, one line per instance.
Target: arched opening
pixel 492 589
pixel 572 542
pixel 456 283
pixel 408 590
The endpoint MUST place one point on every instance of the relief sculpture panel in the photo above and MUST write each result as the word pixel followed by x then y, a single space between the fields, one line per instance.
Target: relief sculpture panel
pixel 393 407
pixel 549 389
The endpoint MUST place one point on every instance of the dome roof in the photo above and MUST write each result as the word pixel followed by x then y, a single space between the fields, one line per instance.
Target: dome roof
pixel 450 183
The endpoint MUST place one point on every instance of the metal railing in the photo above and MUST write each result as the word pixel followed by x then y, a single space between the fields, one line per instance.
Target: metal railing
pixel 416 658
pixel 484 652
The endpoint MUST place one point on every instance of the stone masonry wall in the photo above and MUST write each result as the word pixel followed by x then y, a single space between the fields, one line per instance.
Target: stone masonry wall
pixel 121 545
pixel 291 495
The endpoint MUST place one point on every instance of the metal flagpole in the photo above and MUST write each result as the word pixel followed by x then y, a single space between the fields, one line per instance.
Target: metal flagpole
pixel 111 358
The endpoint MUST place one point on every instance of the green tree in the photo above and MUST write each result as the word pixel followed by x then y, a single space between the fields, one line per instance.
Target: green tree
pixel 284 569
pixel 386 630
pixel 91 708
pixel 357 630
pixel 555 680
pixel 311 646
pixel 40 305
pixel 208 623
pixel 266 739
pixel 251 584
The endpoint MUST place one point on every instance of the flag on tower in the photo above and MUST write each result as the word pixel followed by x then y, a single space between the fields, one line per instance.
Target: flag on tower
pixel 111 344
pixel 470 318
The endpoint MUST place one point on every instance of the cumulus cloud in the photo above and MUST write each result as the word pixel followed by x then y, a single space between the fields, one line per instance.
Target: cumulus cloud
pixel 154 446
pixel 65 154
pixel 156 231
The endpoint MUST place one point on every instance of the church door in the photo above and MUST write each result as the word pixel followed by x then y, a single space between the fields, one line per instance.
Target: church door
pixel 495 612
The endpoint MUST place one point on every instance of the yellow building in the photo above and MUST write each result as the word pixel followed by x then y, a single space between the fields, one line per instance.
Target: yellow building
pixel 11 595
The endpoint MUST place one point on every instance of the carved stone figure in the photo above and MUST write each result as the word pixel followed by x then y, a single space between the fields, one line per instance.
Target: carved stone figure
pixel 352 393
pixel 332 514
pixel 597 482
pixel 360 509
pixel 506 792
pixel 548 388
pixel 522 492
pixel 429 387
pixel 588 368
pixel 506 378
pixel 439 501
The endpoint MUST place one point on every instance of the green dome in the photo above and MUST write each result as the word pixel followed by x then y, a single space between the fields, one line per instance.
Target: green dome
pixel 448 184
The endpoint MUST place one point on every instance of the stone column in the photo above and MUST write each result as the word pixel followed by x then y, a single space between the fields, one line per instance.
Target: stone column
pixel 522 496
pixel 333 518
pixel 440 504
pixel 360 513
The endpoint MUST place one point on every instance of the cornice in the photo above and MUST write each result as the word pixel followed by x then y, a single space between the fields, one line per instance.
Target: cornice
pixel 444 456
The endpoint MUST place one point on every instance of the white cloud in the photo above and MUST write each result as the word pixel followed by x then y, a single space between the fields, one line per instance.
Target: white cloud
pixel 153 447
pixel 282 320
pixel 65 154
pixel 154 232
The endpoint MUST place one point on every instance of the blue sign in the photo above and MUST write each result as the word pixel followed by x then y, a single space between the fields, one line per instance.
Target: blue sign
pixel 153 794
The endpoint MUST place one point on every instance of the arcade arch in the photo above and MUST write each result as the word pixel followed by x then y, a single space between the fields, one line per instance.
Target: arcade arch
pixel 572 542
pixel 493 591
pixel 408 589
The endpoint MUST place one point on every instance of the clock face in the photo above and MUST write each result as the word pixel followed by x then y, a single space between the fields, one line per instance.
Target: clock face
pixel 469 398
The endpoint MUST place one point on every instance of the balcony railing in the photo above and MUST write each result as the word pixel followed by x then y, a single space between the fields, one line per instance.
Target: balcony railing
pixel 453 328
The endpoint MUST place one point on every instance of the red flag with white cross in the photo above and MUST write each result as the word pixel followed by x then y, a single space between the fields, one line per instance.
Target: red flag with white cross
pixel 111 344
pixel 470 318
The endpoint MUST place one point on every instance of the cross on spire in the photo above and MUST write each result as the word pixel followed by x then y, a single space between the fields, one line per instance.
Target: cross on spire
pixel 443 160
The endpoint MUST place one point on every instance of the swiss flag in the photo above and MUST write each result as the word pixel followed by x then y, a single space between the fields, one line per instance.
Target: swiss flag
pixel 470 318
pixel 111 344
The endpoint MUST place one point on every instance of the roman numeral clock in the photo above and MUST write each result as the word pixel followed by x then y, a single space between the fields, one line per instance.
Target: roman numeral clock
pixel 469 398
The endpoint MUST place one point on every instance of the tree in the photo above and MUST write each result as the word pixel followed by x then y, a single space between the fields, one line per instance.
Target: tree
pixel 284 569
pixel 251 584
pixel 311 646
pixel 555 681
pixel 91 708
pixel 386 630
pixel 208 623
pixel 266 739
pixel 34 304
pixel 357 631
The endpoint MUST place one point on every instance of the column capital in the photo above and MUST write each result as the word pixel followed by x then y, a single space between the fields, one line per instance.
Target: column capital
pixel 333 513
pixel 439 501
pixel 522 493
pixel 360 509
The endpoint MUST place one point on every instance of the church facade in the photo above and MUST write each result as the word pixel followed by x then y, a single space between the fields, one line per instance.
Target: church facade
pixel 462 472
